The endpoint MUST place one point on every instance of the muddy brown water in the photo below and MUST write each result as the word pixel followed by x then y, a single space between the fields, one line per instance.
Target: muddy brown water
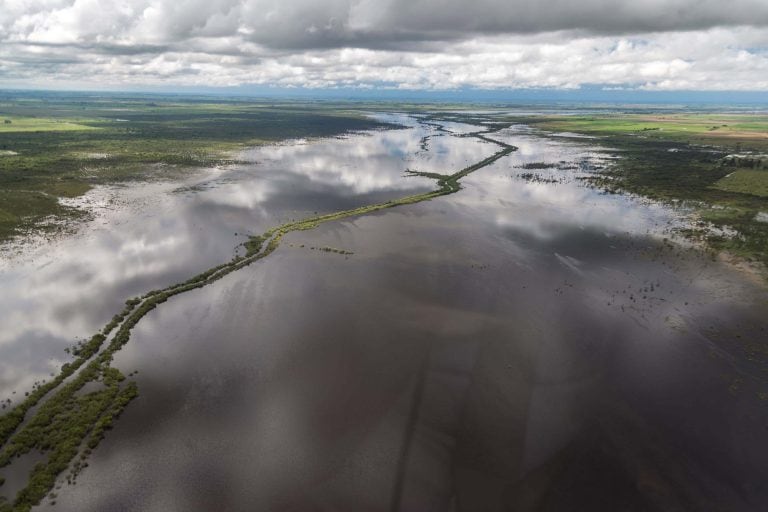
pixel 524 344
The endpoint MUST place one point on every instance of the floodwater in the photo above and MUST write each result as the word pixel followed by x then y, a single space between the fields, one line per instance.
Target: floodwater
pixel 528 343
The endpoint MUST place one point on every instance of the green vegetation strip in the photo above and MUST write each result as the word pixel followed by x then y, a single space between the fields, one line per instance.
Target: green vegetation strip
pixel 745 181
pixel 69 422
pixel 35 124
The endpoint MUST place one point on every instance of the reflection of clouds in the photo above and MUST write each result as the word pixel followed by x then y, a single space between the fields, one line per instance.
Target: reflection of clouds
pixel 48 290
pixel 538 207
pixel 459 128
pixel 372 162
pixel 148 235
pixel 247 195
pixel 268 362
pixel 33 364
pixel 542 209
pixel 450 154
pixel 153 237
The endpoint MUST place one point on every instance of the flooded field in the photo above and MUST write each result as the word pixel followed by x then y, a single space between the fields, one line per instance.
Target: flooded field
pixel 528 343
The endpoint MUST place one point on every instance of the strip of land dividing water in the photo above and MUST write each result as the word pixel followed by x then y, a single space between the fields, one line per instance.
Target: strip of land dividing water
pixel 68 425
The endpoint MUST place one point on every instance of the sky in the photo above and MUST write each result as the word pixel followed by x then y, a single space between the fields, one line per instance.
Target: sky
pixel 401 45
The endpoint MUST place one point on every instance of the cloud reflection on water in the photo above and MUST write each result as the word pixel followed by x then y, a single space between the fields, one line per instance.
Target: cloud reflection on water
pixel 147 235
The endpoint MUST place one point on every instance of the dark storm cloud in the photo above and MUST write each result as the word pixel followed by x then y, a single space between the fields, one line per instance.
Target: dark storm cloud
pixel 305 24
pixel 302 24
pixel 525 16
pixel 389 23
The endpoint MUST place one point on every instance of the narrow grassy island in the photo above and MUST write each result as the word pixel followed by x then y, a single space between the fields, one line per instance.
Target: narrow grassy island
pixel 64 423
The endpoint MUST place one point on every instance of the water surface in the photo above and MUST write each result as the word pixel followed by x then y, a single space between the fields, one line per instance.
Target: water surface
pixel 528 343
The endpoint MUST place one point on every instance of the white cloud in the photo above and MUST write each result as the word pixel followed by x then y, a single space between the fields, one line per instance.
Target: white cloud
pixel 654 44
